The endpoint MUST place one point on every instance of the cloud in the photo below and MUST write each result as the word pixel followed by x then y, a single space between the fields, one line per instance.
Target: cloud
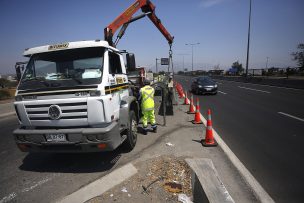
pixel 210 3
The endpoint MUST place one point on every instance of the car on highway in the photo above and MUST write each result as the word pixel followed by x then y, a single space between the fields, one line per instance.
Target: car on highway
pixel 203 85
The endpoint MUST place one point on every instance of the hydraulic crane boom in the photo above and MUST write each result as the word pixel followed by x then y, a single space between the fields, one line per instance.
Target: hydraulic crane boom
pixel 126 17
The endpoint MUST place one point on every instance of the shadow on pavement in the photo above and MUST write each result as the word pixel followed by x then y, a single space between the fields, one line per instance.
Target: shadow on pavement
pixel 71 162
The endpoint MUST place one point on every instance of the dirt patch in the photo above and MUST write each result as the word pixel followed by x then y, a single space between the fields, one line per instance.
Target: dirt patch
pixel 7 93
pixel 159 179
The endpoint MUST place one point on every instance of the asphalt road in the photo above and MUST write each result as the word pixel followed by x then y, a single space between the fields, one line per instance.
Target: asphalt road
pixel 264 127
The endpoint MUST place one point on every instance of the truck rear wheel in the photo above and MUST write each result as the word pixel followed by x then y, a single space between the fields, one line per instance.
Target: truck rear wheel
pixel 131 139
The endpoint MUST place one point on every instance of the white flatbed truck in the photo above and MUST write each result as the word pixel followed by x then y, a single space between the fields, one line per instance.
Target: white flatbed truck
pixel 75 97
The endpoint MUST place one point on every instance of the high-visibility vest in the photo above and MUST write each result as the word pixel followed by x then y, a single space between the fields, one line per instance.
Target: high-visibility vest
pixel 147 98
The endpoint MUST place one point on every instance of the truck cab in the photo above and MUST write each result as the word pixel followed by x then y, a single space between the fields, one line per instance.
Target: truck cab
pixel 75 97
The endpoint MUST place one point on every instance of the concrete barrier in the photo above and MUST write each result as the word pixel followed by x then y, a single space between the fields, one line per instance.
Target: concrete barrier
pixel 206 183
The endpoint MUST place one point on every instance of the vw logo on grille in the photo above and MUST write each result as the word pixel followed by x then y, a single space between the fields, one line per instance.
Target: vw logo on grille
pixel 54 112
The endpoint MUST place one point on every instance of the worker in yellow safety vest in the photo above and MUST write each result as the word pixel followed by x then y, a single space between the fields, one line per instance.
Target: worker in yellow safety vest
pixel 147 107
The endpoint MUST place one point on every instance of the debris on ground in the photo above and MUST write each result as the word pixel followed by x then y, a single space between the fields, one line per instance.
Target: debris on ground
pixel 146 188
pixel 173 187
pixel 161 179
pixel 184 198
pixel 124 189
pixel 170 144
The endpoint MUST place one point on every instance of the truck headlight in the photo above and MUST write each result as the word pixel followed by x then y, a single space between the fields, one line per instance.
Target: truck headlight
pixel 18 98
pixel 95 93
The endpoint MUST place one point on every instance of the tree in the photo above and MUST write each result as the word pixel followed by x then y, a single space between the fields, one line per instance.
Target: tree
pixel 238 66
pixel 4 82
pixel 216 67
pixel 299 56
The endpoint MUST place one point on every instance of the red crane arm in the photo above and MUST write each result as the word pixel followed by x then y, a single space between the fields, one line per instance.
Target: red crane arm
pixel 126 17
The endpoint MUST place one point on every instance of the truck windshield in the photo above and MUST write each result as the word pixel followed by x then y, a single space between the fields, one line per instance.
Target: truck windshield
pixel 83 66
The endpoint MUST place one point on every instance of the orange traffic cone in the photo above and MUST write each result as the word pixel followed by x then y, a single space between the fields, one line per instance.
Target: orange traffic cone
pixel 186 102
pixel 178 88
pixel 191 107
pixel 182 92
pixel 209 141
pixel 197 116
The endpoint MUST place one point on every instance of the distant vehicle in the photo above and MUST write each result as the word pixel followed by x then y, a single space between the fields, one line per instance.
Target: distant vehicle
pixel 203 85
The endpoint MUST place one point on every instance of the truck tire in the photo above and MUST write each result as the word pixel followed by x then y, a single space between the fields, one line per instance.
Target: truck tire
pixel 131 139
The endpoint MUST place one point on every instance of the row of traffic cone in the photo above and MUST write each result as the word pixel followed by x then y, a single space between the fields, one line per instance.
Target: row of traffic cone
pixel 209 139
pixel 179 89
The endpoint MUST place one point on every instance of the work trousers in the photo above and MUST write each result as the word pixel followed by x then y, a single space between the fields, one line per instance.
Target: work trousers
pixel 148 116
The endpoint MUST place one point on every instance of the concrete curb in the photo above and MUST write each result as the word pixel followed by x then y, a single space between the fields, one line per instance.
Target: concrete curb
pixel 207 185
pixel 7 114
pixel 101 185
pixel 257 189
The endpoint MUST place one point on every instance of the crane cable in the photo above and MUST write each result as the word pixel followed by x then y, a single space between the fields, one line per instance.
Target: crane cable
pixel 170 59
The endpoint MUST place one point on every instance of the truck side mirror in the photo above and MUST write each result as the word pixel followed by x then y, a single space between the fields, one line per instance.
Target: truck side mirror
pixel 18 72
pixel 131 65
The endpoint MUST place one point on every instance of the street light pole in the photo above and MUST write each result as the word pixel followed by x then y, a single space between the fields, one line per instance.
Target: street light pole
pixel 192 57
pixel 183 60
pixel 192 51
pixel 248 42
pixel 267 62
pixel 183 63
pixel 156 64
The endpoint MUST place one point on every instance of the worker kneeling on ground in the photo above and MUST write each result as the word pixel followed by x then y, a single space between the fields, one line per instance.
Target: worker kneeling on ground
pixel 147 106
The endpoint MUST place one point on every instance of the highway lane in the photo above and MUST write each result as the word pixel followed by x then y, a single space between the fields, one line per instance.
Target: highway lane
pixel 269 143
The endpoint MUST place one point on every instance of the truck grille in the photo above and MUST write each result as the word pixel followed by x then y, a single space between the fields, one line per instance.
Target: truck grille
pixel 76 110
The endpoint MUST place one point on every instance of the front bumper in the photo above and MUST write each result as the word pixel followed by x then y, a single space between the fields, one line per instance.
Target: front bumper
pixel 77 139
pixel 207 90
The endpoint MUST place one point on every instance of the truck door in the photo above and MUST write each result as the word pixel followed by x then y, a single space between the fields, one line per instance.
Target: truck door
pixel 119 80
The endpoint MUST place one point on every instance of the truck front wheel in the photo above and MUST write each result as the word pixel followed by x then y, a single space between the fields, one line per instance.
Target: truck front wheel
pixel 131 139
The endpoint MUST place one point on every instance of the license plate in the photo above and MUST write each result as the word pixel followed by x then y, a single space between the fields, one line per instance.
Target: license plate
pixel 55 137
pixel 208 89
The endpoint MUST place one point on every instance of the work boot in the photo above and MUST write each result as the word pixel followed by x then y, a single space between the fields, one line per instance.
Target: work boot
pixel 154 129
pixel 145 131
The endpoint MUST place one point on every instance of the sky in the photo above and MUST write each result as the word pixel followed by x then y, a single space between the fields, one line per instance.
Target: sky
pixel 219 26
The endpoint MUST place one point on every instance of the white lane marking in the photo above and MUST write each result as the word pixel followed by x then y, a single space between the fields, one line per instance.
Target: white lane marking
pixel 41 182
pixel 291 116
pixel 222 92
pixel 8 198
pixel 254 89
pixel 288 88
